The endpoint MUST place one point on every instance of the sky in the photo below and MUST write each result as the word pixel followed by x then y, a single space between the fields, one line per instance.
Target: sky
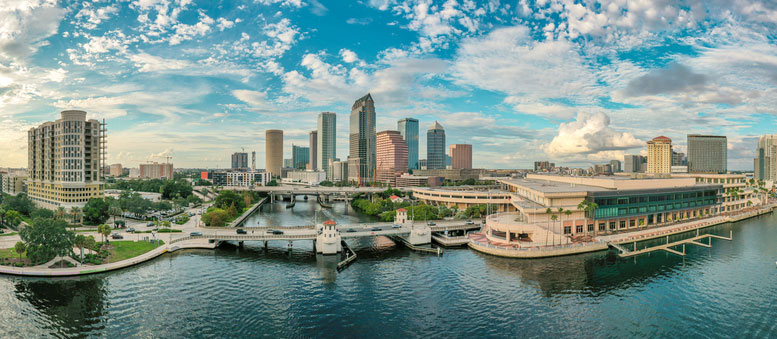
pixel 574 82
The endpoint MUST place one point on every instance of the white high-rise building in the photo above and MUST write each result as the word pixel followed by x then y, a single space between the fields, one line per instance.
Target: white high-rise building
pixel 64 161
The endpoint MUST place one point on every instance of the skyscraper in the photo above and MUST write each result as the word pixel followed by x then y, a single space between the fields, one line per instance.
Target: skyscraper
pixel 408 128
pixel 435 147
pixel 634 163
pixel 239 161
pixel 361 161
pixel 327 141
pixel 659 160
pixel 461 156
pixel 707 153
pixel 300 156
pixel 273 144
pixel 615 166
pixel 765 161
pixel 64 161
pixel 314 164
pixel 391 154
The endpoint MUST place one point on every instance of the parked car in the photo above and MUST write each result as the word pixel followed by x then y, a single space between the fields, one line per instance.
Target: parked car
pixel 116 236
pixel 350 230
pixel 241 231
pixel 277 232
pixel 150 224
pixel 375 229
pixel 396 226
pixel 195 234
pixel 469 222
pixel 130 230
pixel 431 223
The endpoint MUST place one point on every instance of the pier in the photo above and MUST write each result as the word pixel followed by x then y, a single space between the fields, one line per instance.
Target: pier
pixel 624 252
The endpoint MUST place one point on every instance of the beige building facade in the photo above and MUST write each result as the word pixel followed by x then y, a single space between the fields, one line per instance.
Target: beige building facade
pixel 156 171
pixel 659 159
pixel 273 143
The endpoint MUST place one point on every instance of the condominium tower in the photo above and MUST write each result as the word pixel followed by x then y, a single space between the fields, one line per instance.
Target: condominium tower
pixel 634 163
pixel 435 147
pixel 273 152
pixel 707 153
pixel 239 161
pixel 391 154
pixel 659 159
pixel 408 128
pixel 361 161
pixel 64 160
pixel 327 143
pixel 156 170
pixel 765 161
pixel 461 156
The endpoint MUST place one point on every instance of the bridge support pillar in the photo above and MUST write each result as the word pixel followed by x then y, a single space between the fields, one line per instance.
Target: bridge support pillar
pixel 240 244
pixel 265 246
pixel 290 245
pixel 420 234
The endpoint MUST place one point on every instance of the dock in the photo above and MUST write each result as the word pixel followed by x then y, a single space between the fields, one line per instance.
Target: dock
pixel 449 241
pixel 668 246
pixel 399 239
pixel 350 256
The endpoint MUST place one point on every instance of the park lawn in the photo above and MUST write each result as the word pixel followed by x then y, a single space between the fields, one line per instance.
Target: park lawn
pixel 7 234
pixel 9 253
pixel 122 250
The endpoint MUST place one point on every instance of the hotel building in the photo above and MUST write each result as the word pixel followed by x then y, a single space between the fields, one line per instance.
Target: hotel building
pixel 659 159
pixel 64 161
pixel 391 157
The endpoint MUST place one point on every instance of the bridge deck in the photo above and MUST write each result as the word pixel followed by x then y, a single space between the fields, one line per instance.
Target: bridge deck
pixel 624 253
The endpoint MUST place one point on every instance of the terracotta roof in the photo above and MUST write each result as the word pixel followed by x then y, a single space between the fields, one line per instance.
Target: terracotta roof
pixel 329 222
pixel 401 210
pixel 662 138
pixel 394 196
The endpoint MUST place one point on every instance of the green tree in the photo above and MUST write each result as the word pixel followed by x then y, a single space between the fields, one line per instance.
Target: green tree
pixel 20 203
pixel 46 238
pixel 114 210
pixel 554 218
pixel 75 213
pixel 61 212
pixel 80 242
pixel 227 198
pixel 42 213
pixel 13 218
pixel 96 211
pixel 104 230
pixel 590 209
pixel 19 248
pixel 90 243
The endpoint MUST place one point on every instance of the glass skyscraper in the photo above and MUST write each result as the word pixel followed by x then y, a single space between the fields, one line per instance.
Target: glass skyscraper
pixel 361 161
pixel 327 139
pixel 435 147
pixel 300 156
pixel 408 128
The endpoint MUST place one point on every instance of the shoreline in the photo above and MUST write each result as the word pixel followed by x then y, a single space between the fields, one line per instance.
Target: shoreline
pixel 518 253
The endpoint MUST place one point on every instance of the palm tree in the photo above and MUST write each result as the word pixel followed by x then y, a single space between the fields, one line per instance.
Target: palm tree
pixel 2 216
pixel 568 213
pixel 560 223
pixel 80 242
pixel 590 209
pixel 60 212
pixel 19 248
pixel 548 211
pixel 554 218
pixel 114 210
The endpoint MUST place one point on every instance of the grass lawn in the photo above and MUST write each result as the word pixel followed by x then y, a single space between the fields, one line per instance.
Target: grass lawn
pixel 9 253
pixel 7 234
pixel 121 250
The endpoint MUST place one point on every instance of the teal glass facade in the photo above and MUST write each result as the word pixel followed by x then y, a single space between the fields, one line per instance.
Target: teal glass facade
pixel 638 203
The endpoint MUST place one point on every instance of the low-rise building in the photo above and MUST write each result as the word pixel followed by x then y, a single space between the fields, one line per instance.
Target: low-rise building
pixel 408 180
pixel 462 197
pixel 452 174
pixel 308 177
pixel 338 170
pixel 116 170
pixel 242 179
pixel 13 182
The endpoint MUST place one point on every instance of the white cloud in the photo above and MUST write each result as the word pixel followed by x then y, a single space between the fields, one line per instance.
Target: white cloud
pixel 257 100
pixel 589 136
pixel 348 55
pixel 225 24
pixel 95 16
pixel 25 27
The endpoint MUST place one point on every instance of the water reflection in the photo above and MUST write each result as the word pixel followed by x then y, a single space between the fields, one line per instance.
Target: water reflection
pixel 305 213
pixel 69 306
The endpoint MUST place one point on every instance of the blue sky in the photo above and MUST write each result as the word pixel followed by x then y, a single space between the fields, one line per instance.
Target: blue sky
pixel 575 82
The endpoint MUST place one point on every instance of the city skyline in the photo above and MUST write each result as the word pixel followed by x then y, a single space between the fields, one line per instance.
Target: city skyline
pixel 520 83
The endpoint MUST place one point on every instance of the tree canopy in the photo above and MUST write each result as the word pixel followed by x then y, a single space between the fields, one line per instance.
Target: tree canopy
pixel 47 238
pixel 96 211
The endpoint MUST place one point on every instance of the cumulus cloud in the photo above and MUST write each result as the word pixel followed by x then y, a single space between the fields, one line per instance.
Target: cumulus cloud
pixel 348 55
pixel 589 136
pixel 256 99
pixel 25 27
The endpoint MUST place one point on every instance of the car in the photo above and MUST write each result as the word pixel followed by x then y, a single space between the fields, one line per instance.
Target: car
pixel 241 231
pixel 269 230
pixel 376 229
pixel 350 230
pixel 195 234
pixel 117 236
pixel 277 232
pixel 431 223
pixel 150 224
pixel 130 230
pixel 469 222
pixel 396 226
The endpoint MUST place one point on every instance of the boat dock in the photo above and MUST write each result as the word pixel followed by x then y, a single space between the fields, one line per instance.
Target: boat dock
pixel 624 252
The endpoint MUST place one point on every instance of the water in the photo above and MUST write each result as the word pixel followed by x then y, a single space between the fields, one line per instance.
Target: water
pixel 726 291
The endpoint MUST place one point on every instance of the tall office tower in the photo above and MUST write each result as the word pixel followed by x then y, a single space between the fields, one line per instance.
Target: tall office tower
pixel 615 166
pixel 300 156
pixel 678 159
pixel 253 161
pixel 64 161
pixel 327 141
pixel 408 128
pixel 240 161
pixel 707 153
pixel 435 147
pixel 361 161
pixel 765 162
pixel 391 154
pixel 659 160
pixel 634 163
pixel 461 156
pixel 313 140
pixel 273 144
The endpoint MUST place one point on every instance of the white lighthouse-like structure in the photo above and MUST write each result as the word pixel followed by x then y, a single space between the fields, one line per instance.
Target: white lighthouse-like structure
pixel 420 234
pixel 328 238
